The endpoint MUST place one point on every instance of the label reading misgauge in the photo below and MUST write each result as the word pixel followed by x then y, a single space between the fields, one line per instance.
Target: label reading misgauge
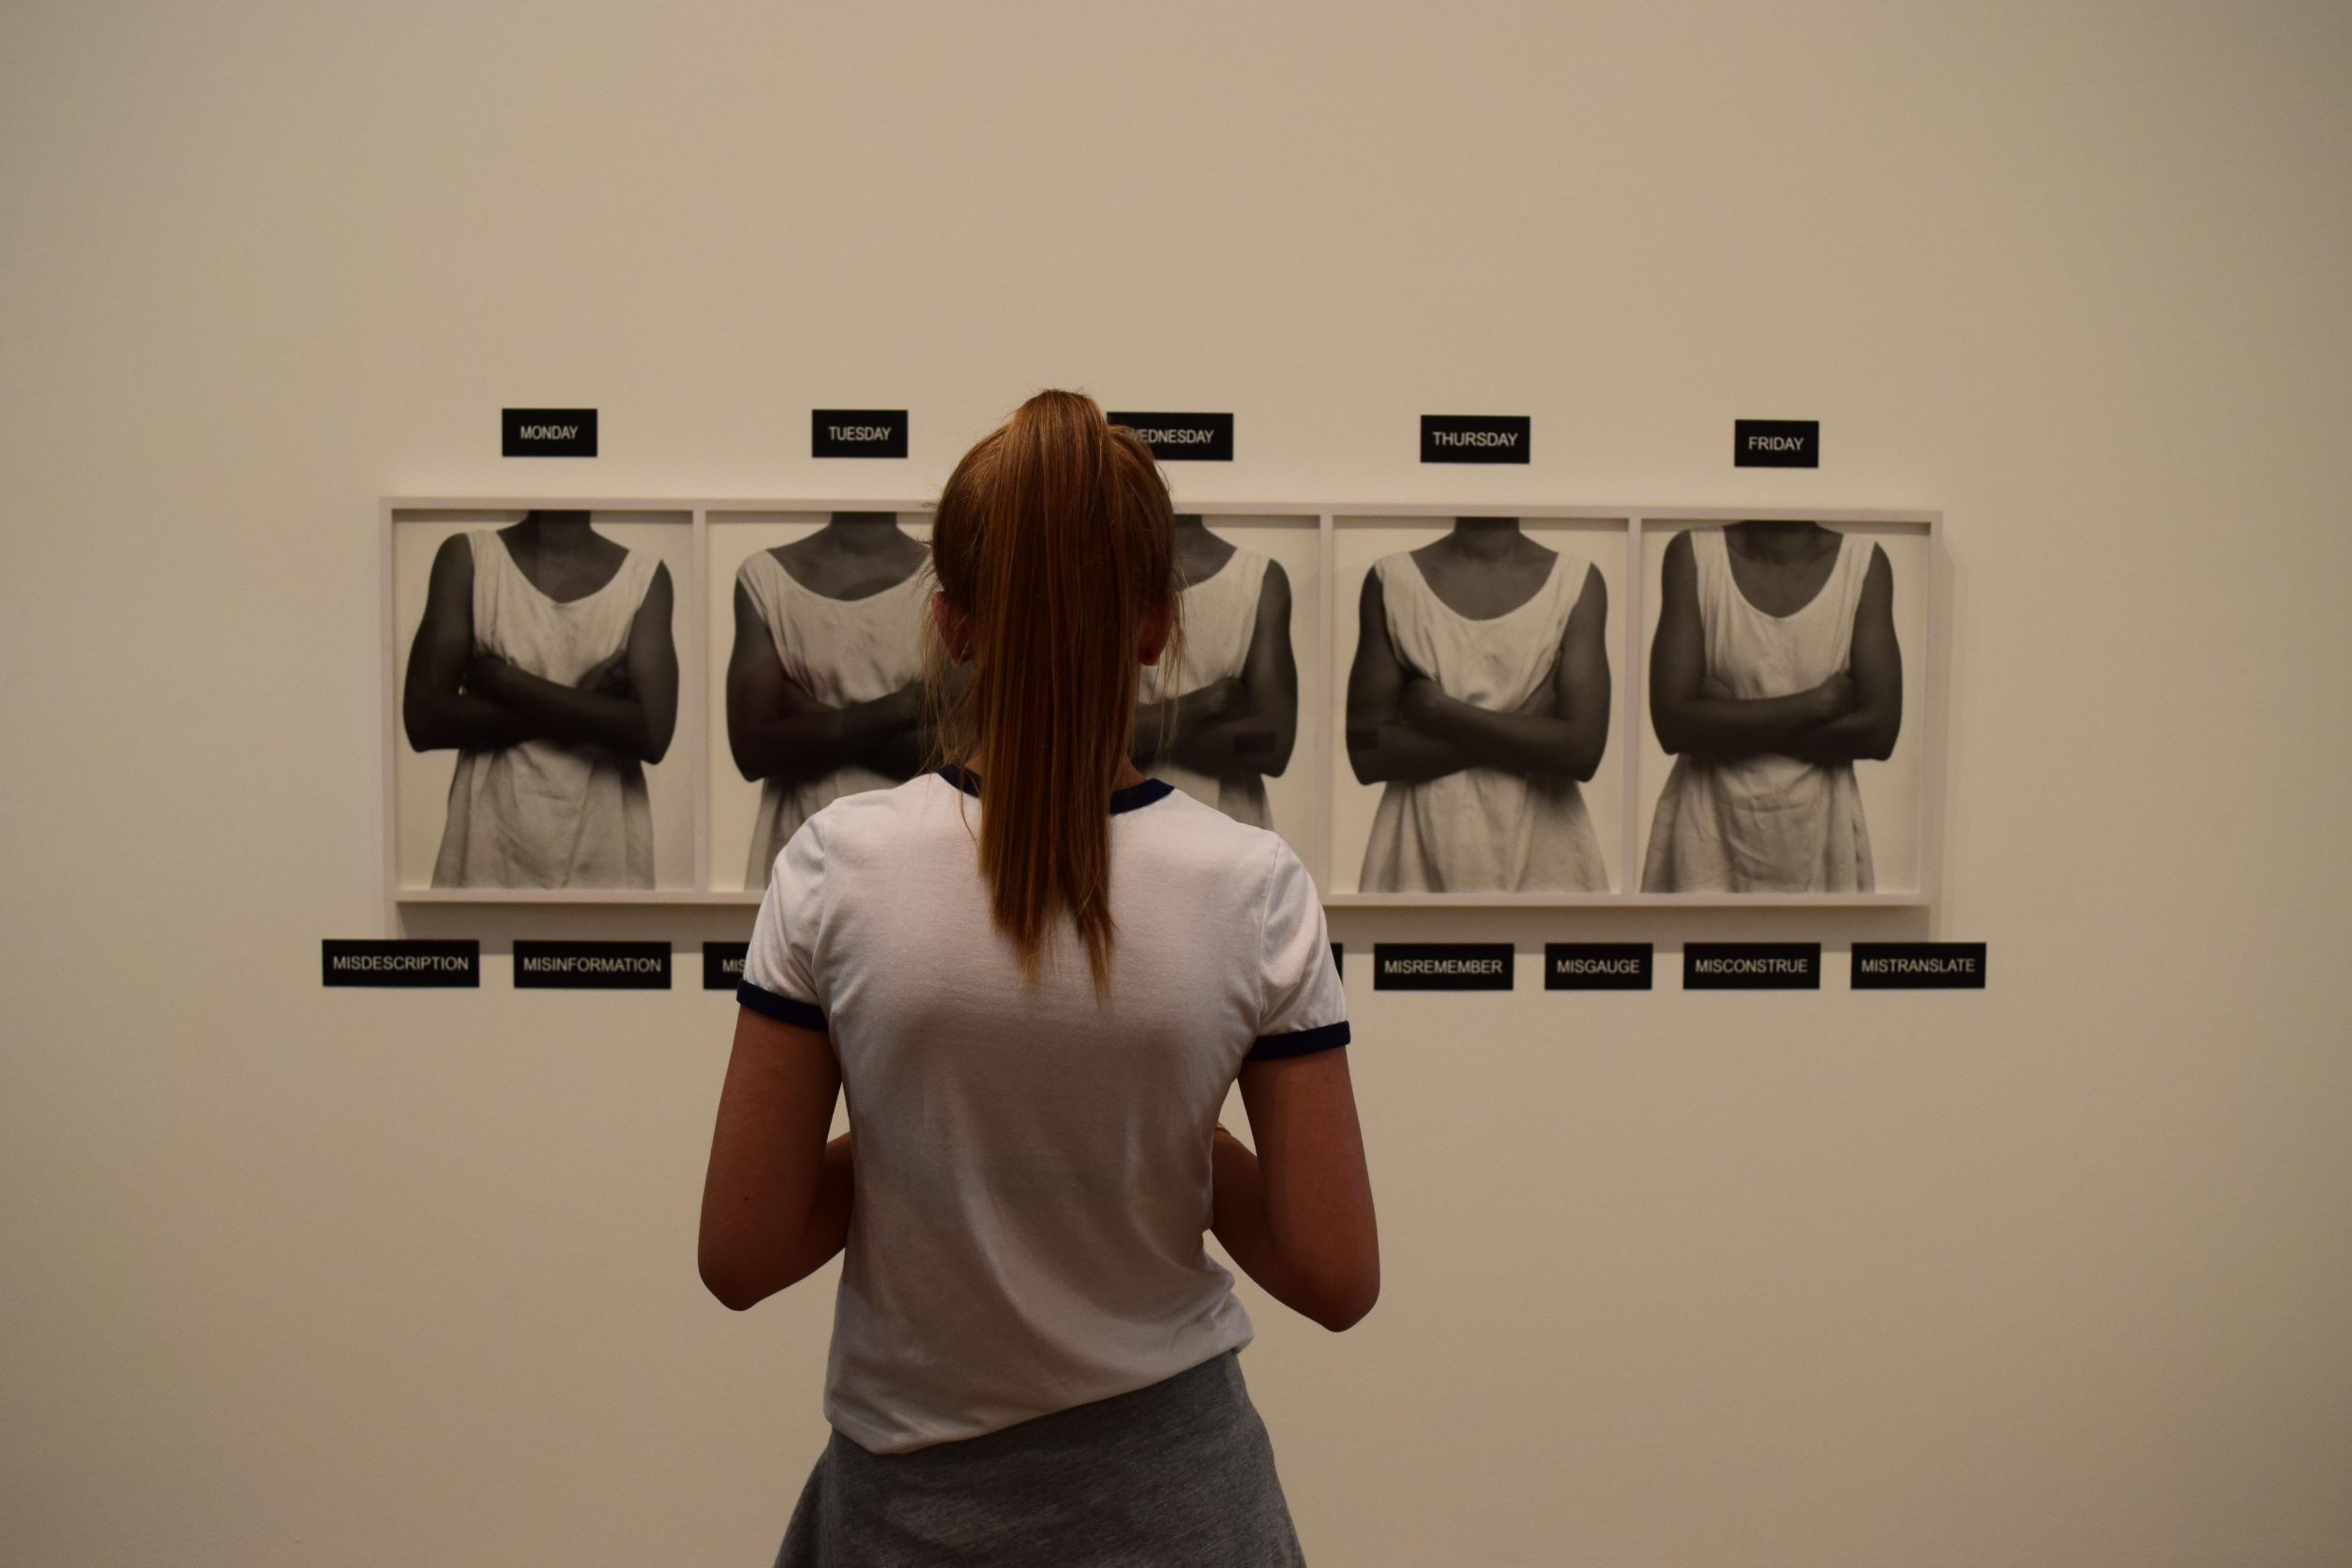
pixel 722 964
pixel 1475 437
pixel 1752 966
pixel 1777 444
pixel 401 963
pixel 1441 966
pixel 548 433
pixel 1919 966
pixel 857 432
pixel 602 966
pixel 1598 966
pixel 1182 437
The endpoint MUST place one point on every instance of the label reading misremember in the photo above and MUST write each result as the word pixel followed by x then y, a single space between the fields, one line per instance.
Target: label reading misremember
pixel 722 964
pixel 1441 966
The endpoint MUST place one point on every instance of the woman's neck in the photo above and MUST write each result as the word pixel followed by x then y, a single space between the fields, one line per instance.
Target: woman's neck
pixel 1126 778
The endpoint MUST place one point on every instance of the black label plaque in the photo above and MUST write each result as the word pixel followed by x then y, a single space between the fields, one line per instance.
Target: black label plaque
pixel 1182 437
pixel 1441 966
pixel 1598 966
pixel 401 963
pixel 1338 950
pixel 1475 437
pixel 1752 966
pixel 548 433
pixel 601 966
pixel 1777 444
pixel 722 964
pixel 857 432
pixel 1919 966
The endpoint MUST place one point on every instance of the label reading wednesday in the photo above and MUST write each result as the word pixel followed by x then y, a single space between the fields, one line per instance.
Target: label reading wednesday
pixel 1777 444
pixel 857 432
pixel 1441 966
pixel 1182 437
pixel 1598 966
pixel 722 964
pixel 401 963
pixel 603 966
pixel 546 432
pixel 1919 966
pixel 1475 437
pixel 1752 966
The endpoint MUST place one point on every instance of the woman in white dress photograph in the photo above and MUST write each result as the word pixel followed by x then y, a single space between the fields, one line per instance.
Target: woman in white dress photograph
pixel 1774 669
pixel 1479 698
pixel 544 658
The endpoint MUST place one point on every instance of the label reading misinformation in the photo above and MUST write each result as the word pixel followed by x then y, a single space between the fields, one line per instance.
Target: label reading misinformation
pixel 1475 437
pixel 1752 966
pixel 857 432
pixel 1598 966
pixel 1441 966
pixel 722 964
pixel 401 963
pixel 548 433
pixel 604 966
pixel 1919 966
pixel 1182 437
pixel 1777 444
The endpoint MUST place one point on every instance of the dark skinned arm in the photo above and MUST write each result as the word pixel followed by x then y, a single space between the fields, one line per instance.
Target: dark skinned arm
pixel 1382 748
pixel 436 709
pixel 1868 731
pixel 1562 738
pixel 1686 716
pixel 635 719
pixel 1256 732
pixel 777 1198
pixel 777 730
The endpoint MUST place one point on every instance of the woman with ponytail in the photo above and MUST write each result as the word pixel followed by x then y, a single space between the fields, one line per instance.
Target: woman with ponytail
pixel 1035 973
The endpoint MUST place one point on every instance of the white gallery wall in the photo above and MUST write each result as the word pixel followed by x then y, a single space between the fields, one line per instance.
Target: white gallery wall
pixel 2055 1273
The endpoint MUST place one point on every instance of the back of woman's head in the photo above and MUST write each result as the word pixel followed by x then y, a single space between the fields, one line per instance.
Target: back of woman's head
pixel 1054 552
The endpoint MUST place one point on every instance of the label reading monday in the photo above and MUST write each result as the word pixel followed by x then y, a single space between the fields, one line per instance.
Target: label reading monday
pixel 1441 966
pixel 401 963
pixel 1182 437
pixel 857 432
pixel 1752 966
pixel 546 432
pixel 1919 966
pixel 614 966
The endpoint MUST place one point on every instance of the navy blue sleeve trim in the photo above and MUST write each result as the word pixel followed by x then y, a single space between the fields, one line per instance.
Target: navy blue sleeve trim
pixel 1268 1047
pixel 783 1009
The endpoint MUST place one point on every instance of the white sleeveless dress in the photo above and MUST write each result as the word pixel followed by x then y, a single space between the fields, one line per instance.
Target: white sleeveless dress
pixel 840 652
pixel 1765 823
pixel 546 813
pixel 1220 623
pixel 1483 830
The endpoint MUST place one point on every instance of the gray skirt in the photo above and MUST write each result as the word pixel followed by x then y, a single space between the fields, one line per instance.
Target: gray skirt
pixel 1177 1473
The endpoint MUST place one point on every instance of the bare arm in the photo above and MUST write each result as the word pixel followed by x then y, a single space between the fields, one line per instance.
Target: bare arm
pixel 1685 717
pixel 777 730
pixel 1382 746
pixel 1566 736
pixel 776 1202
pixel 635 720
pixel 1296 1215
pixel 1256 729
pixel 436 709
pixel 1866 733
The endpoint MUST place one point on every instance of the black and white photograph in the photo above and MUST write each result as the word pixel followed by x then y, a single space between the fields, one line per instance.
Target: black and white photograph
pixel 1480 671
pixel 1783 739
pixel 1220 718
pixel 817 692
pixel 537 701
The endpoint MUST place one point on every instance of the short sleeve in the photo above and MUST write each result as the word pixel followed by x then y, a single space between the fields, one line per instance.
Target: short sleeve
pixel 779 972
pixel 1301 1007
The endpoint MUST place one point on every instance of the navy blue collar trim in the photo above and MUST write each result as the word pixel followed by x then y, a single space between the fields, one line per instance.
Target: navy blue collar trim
pixel 1128 799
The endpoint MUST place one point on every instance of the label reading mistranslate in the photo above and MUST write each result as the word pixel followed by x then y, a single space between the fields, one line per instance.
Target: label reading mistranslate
pixel 1777 444
pixel 1752 966
pixel 548 433
pixel 607 966
pixel 1919 966
pixel 401 963
pixel 1475 437
pixel 722 964
pixel 857 432
pixel 1598 966
pixel 1441 966
pixel 1182 437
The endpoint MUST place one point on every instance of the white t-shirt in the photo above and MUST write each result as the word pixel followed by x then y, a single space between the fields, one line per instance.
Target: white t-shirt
pixel 1033 1168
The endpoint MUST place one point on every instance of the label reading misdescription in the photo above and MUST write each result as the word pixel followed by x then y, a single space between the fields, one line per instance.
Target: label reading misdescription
pixel 1441 966
pixel 857 432
pixel 1777 444
pixel 1598 966
pixel 604 966
pixel 1919 966
pixel 1182 437
pixel 546 432
pixel 401 963
pixel 722 964
pixel 1475 437
pixel 1752 966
